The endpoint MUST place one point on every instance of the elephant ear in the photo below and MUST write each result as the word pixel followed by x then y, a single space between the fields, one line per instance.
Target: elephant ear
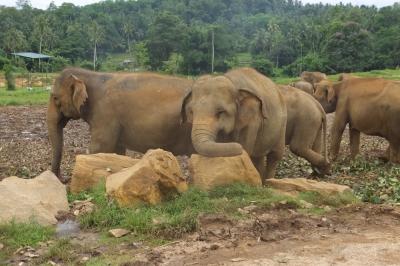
pixel 184 108
pixel 249 120
pixel 79 95
pixel 331 93
pixel 247 92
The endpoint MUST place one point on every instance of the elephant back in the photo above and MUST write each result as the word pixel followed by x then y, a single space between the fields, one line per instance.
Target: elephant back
pixel 261 86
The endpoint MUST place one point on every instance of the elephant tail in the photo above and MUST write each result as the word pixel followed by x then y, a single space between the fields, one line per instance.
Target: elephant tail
pixel 324 136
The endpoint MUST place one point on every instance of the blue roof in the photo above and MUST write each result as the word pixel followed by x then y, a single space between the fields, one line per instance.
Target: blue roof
pixel 32 55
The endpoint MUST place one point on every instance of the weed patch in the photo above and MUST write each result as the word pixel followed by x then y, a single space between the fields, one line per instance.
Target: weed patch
pixel 14 235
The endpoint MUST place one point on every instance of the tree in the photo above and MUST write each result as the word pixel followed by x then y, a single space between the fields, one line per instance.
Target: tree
pixel 128 30
pixel 42 31
pixel 167 34
pixel 348 47
pixel 14 40
pixel 141 55
pixel 96 36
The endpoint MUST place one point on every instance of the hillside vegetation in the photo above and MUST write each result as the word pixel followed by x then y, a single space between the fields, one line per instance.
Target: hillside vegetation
pixel 178 36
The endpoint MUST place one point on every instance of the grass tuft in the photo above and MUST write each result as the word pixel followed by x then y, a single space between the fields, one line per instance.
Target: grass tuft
pixel 14 235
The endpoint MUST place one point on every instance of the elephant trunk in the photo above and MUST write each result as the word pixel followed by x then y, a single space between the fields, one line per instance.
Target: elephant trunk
pixel 204 143
pixel 55 125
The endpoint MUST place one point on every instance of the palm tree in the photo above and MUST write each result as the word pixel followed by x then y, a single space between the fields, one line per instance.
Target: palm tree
pixel 96 36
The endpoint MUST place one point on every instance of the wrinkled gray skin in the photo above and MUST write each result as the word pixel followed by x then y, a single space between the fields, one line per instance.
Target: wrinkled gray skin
pixel 245 107
pixel 138 111
pixel 306 124
pixel 305 86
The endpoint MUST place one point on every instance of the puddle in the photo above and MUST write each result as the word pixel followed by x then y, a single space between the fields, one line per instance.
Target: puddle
pixel 67 228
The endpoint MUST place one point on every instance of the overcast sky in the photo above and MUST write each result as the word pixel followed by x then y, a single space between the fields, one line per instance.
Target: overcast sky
pixel 44 4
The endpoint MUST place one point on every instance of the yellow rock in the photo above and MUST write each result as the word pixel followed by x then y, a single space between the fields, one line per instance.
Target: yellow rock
pixel 90 169
pixel 209 172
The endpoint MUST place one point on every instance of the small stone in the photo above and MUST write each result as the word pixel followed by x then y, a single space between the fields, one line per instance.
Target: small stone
pixel 84 259
pixel 323 219
pixel 327 208
pixel 31 255
pixel 76 212
pixel 241 211
pixel 237 259
pixel 306 204
pixel 214 247
pixel 52 263
pixel 21 263
pixel 119 232
pixel 250 208
pixel 1 246
pixel 283 202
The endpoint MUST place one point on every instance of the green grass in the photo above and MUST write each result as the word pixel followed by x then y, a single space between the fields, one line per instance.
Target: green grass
pixel 174 218
pixel 14 235
pixel 61 250
pixel 21 96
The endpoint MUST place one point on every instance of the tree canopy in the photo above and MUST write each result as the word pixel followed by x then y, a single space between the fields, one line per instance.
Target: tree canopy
pixel 177 34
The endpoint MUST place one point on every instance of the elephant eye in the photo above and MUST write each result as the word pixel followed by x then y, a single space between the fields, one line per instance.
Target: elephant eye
pixel 220 112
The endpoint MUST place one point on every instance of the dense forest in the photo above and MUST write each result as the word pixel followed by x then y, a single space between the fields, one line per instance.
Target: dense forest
pixel 198 36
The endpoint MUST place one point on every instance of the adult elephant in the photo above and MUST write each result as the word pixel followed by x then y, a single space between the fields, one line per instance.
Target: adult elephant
pixel 137 111
pixel 368 105
pixel 313 77
pixel 304 86
pixel 306 127
pixel 241 106
pixel 345 76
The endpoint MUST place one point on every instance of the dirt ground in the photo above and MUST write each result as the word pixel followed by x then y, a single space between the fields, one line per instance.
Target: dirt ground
pixel 25 149
pixel 355 235
pixel 347 236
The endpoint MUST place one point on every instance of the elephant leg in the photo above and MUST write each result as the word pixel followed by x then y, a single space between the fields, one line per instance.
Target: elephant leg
pixel 336 134
pixel 104 138
pixel 318 142
pixel 259 163
pixel 394 152
pixel 354 142
pixel 273 159
pixel 120 149
pixel 316 160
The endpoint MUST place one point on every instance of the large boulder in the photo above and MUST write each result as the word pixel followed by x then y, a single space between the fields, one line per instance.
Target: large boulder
pixel 39 198
pixel 91 169
pixel 154 178
pixel 293 186
pixel 209 172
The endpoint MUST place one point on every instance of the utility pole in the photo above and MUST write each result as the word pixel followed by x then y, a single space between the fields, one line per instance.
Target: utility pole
pixel 212 50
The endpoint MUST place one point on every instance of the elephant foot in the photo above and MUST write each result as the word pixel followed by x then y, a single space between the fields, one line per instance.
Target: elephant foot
pixel 64 179
pixel 321 171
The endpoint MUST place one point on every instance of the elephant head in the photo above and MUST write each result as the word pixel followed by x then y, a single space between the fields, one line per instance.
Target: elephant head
pixel 67 97
pixel 215 106
pixel 325 93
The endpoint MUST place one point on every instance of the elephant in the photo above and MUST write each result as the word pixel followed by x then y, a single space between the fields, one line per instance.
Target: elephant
pixel 136 111
pixel 304 86
pixel 368 105
pixel 306 124
pixel 344 76
pixel 241 109
pixel 313 77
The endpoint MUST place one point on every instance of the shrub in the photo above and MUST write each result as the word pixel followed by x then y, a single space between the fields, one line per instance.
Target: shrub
pixel 263 65
pixel 310 62
pixel 10 79
pixel 174 64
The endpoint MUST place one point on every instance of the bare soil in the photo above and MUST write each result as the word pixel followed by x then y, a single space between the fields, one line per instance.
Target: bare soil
pixel 355 235
pixel 25 149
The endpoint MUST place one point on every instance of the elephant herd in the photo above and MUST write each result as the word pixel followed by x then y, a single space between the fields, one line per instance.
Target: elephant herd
pixel 223 115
